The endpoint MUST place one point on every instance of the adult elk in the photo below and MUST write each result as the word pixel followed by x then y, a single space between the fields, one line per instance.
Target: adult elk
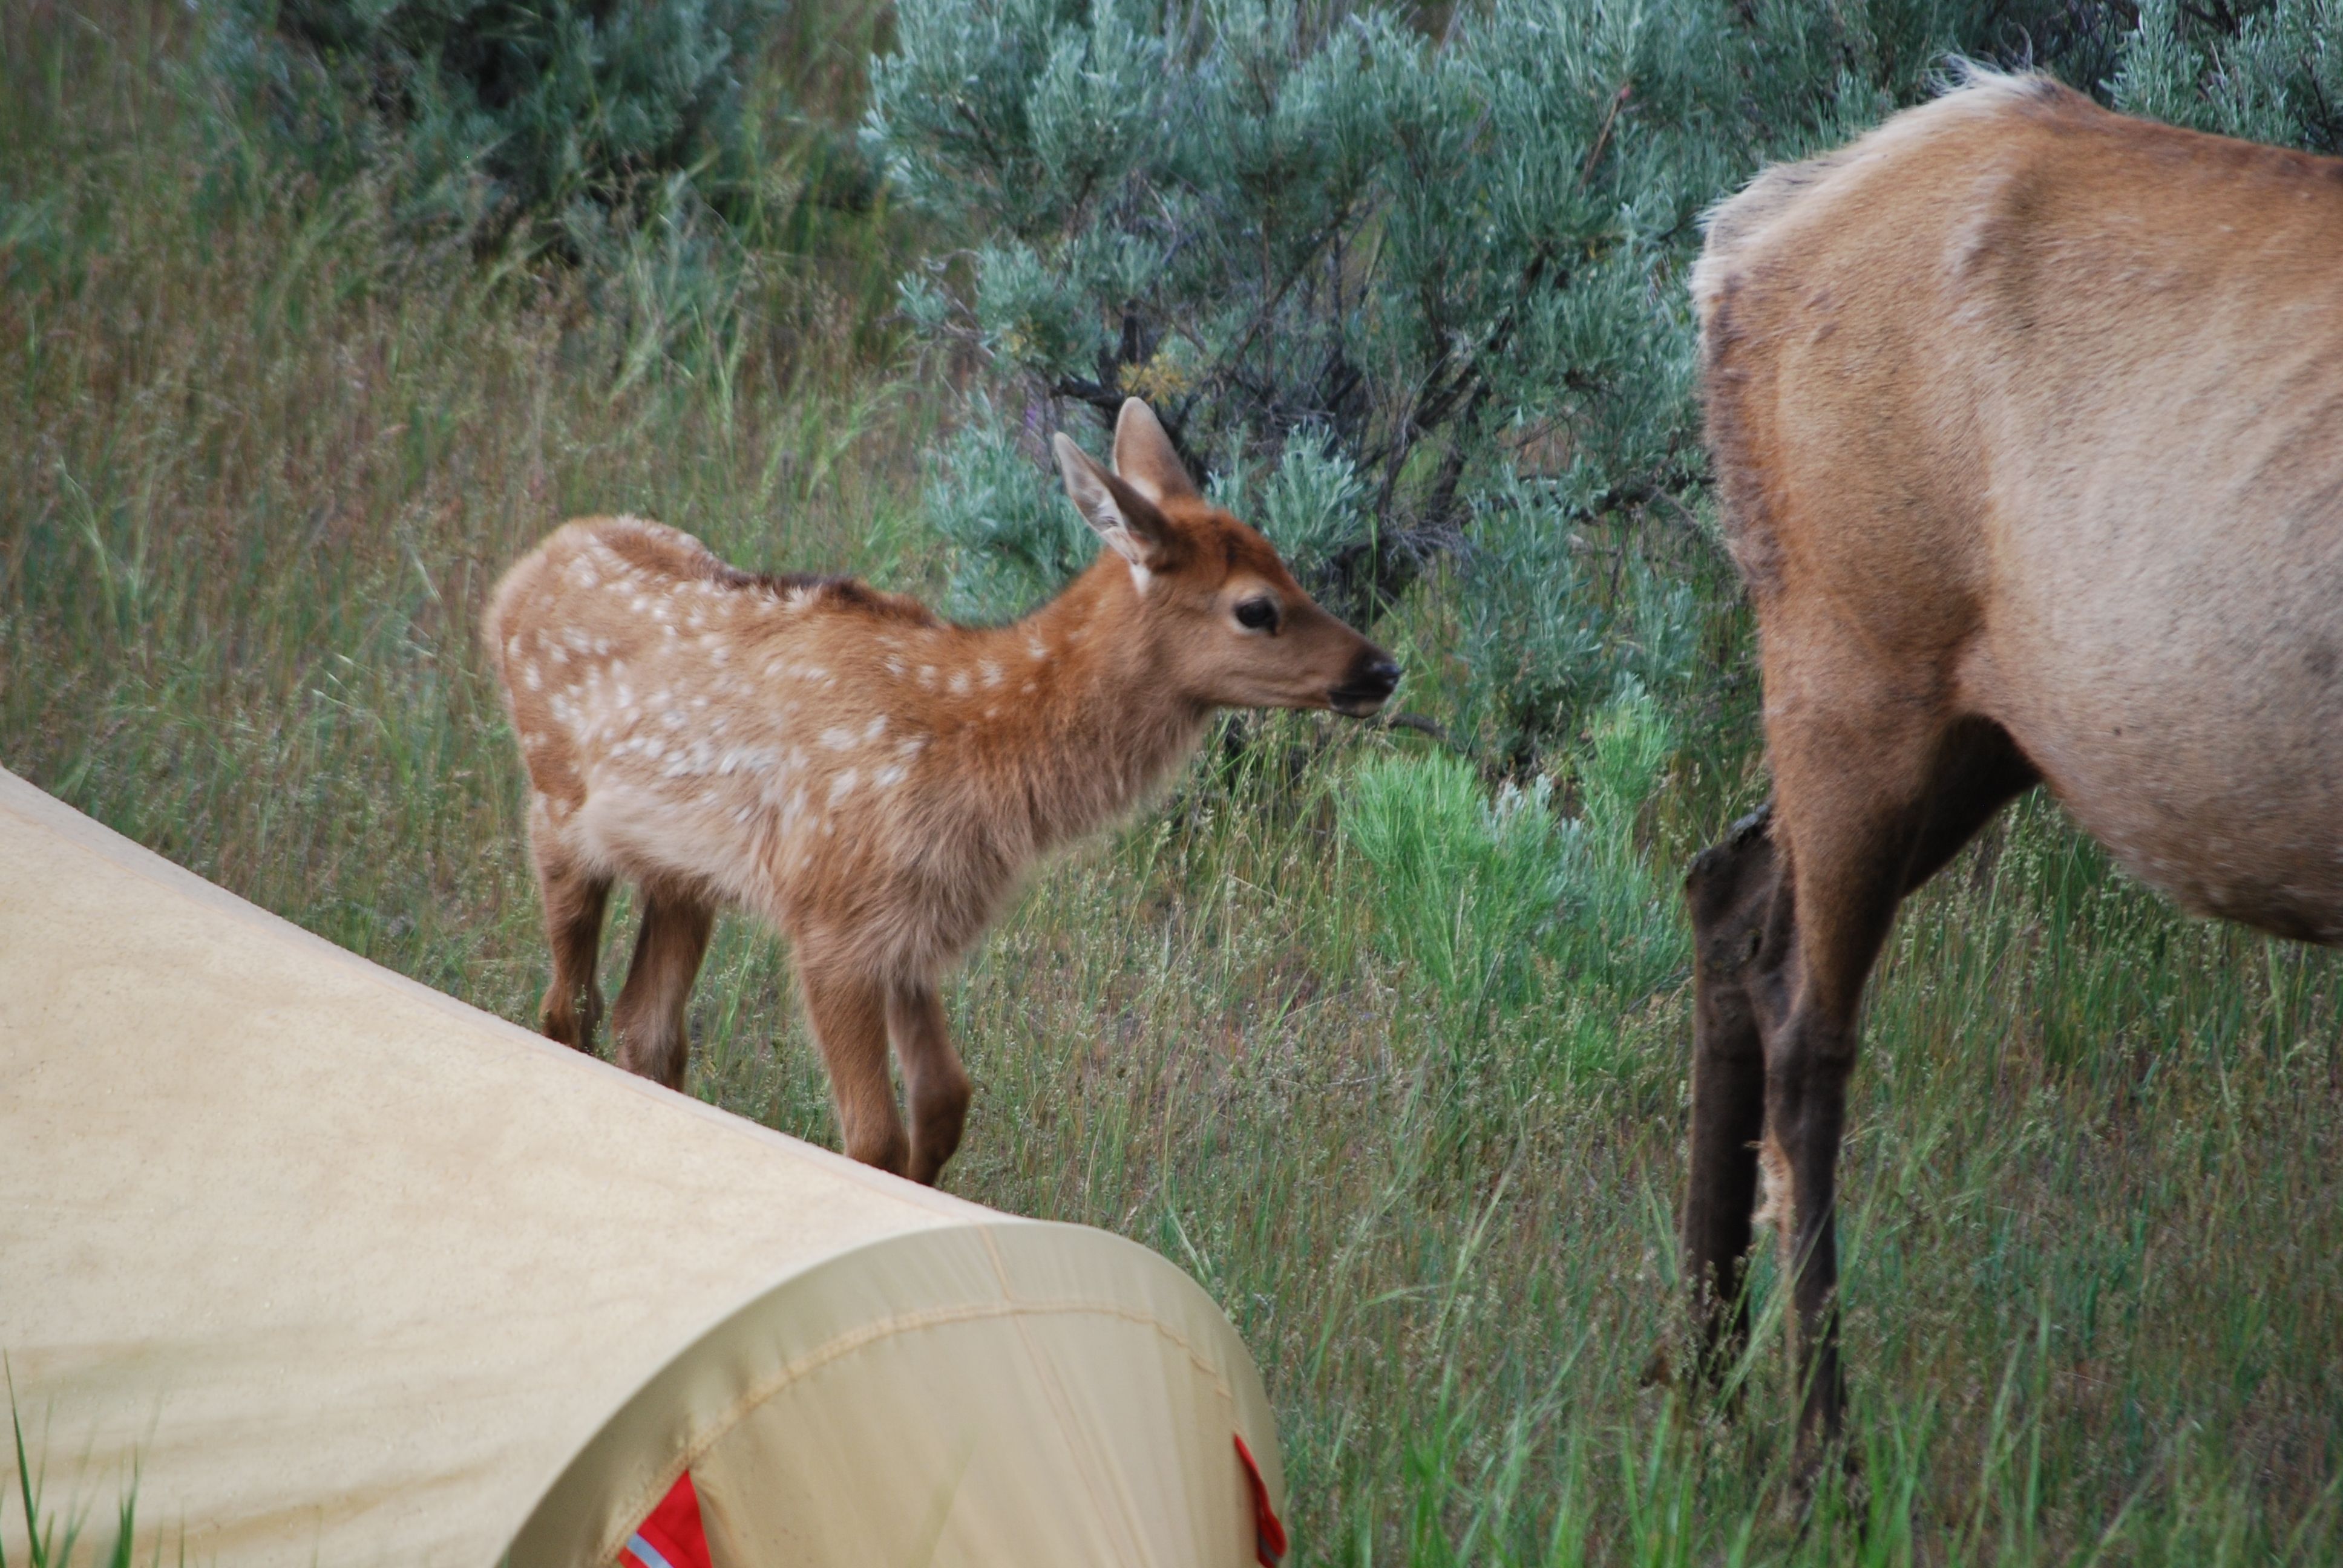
pixel 2028 423
pixel 871 779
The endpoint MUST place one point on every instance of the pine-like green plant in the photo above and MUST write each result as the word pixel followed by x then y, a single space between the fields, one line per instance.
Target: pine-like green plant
pixel 1462 886
pixel 1470 891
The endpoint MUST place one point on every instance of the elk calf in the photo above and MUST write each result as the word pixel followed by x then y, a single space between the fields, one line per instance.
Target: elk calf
pixel 872 779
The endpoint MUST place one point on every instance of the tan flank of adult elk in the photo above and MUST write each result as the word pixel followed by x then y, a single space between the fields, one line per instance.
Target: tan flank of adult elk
pixel 869 778
pixel 2028 422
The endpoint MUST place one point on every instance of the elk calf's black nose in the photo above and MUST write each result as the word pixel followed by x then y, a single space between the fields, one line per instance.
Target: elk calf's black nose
pixel 1380 675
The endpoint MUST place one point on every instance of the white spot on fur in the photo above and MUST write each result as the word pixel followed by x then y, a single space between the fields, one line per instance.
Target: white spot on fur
pixel 843 785
pixel 960 683
pixel 1140 578
pixel 536 680
pixel 874 730
pixel 1036 650
pixel 887 777
pixel 988 672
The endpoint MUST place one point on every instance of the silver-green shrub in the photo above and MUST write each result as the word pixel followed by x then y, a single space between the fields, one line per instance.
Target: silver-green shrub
pixel 543 118
pixel 1414 297
pixel 2270 71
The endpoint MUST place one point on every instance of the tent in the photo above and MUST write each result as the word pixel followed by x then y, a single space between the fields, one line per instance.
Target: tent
pixel 336 1270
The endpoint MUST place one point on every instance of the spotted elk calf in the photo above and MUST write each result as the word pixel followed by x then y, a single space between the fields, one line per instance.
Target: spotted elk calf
pixel 870 778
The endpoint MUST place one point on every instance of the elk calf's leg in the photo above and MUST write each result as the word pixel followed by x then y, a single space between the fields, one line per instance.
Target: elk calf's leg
pixel 1733 889
pixel 652 1023
pixel 934 1081
pixel 572 1008
pixel 848 1013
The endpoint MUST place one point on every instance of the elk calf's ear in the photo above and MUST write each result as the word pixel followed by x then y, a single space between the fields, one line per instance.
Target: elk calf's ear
pixel 1117 513
pixel 1145 458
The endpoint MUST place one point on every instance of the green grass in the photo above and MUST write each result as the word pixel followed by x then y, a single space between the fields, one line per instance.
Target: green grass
pixel 51 1540
pixel 259 461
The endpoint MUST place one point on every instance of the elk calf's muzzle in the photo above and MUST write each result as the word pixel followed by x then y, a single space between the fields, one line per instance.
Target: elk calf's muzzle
pixel 1368 686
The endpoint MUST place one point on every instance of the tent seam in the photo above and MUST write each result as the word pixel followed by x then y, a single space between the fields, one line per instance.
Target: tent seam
pixel 1055 1393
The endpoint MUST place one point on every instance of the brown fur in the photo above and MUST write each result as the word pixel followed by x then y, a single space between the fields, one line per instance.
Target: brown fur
pixel 2028 421
pixel 871 779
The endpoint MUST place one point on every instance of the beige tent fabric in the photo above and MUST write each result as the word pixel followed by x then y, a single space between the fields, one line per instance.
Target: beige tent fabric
pixel 351 1273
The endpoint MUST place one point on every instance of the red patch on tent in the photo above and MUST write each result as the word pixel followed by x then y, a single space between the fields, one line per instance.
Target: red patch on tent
pixel 1268 1534
pixel 671 1535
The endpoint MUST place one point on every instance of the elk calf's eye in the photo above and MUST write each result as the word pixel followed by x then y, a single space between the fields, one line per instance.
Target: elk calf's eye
pixel 1258 615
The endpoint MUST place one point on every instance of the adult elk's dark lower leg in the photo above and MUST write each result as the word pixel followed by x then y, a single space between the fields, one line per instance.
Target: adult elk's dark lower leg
pixel 1782 951
pixel 1894 816
pixel 1740 915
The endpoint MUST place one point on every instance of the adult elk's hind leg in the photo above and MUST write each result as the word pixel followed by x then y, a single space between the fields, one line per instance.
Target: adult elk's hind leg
pixel 574 900
pixel 652 1022
pixel 1743 905
pixel 1740 910
pixel 1865 824
pixel 934 1081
